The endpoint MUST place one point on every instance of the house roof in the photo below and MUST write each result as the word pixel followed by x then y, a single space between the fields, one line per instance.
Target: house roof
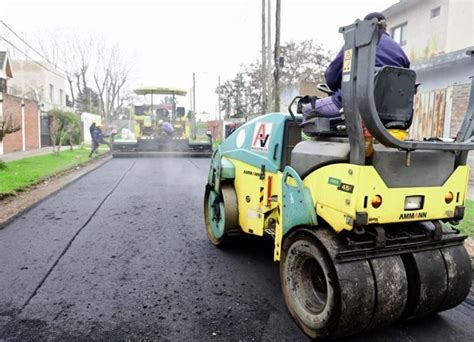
pixel 454 57
pixel 5 68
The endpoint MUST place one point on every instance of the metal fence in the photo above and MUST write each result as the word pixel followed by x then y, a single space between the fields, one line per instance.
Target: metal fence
pixel 429 114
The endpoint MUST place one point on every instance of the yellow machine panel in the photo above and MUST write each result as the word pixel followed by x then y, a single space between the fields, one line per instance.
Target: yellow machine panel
pixel 339 191
pixel 260 196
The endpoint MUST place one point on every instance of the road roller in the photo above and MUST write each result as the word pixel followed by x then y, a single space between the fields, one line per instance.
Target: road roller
pixel 363 218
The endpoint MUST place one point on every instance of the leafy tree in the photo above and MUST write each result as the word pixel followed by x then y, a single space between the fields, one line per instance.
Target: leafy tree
pixel 303 61
pixel 65 128
pixel 88 101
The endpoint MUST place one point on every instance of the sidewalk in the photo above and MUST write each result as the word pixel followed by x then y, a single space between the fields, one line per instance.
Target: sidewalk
pixel 25 154
pixel 31 153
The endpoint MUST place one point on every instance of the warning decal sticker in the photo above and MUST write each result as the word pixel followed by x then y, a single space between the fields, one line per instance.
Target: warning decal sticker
pixel 347 61
pixel 261 136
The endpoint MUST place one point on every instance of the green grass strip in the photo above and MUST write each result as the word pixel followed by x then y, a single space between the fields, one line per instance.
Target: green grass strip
pixel 20 174
pixel 467 224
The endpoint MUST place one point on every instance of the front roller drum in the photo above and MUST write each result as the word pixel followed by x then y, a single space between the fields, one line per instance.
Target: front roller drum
pixel 221 213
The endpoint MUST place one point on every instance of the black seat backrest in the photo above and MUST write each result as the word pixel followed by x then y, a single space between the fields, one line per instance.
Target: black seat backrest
pixel 291 138
pixel 394 92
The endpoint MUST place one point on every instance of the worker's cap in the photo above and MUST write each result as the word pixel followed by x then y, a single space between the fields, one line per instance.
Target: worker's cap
pixel 373 15
pixel 94 123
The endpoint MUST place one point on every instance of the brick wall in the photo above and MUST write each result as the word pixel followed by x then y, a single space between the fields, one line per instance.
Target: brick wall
pixel 460 99
pixel 12 107
pixel 215 126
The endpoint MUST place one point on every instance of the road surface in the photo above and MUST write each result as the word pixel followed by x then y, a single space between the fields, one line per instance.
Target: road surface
pixel 122 254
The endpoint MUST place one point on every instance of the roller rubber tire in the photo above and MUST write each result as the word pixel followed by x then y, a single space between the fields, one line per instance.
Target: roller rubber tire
pixel 392 290
pixel 348 292
pixel 427 283
pixel 459 271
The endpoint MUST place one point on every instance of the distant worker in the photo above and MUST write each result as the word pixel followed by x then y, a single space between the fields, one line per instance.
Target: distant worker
pixel 167 128
pixel 388 52
pixel 97 139
pixel 92 129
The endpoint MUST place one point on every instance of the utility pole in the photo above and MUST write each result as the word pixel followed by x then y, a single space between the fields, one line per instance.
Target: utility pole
pixel 194 106
pixel 219 96
pixel 269 56
pixel 276 74
pixel 264 62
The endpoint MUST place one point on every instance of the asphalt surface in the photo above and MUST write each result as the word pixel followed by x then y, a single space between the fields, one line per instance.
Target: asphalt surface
pixel 122 254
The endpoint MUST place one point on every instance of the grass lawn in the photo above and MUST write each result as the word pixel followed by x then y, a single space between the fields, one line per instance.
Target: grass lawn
pixel 467 225
pixel 20 174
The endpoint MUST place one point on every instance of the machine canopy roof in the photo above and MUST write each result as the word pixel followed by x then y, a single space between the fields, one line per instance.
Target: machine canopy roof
pixel 160 91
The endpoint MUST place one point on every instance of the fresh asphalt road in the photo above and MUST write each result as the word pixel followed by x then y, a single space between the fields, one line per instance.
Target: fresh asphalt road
pixel 122 254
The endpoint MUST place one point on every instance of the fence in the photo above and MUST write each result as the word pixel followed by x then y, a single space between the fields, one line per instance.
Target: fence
pixel 429 115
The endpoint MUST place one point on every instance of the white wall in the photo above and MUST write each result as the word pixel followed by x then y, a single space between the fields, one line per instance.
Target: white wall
pixel 33 81
pixel 460 25
pixel 425 36
pixel 87 119
pixel 452 30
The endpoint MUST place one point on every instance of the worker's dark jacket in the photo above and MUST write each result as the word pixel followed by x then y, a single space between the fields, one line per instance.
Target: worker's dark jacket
pixel 388 53
pixel 97 136
pixel 91 130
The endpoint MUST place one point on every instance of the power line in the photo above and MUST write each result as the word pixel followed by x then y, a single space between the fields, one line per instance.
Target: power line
pixel 29 45
pixel 29 58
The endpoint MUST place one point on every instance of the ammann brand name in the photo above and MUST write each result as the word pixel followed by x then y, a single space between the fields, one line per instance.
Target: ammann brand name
pixel 407 216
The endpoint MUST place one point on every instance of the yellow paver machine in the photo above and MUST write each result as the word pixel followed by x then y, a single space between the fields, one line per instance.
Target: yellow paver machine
pixel 363 219
pixel 162 132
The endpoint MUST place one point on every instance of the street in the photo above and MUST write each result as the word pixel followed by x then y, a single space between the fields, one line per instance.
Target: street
pixel 122 253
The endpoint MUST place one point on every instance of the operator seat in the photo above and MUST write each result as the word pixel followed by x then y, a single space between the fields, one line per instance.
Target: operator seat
pixel 394 90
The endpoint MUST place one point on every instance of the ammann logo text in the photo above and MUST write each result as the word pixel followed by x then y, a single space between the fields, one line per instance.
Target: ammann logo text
pixel 408 216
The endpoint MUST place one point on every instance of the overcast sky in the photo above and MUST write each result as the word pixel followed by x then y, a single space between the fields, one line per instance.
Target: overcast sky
pixel 171 39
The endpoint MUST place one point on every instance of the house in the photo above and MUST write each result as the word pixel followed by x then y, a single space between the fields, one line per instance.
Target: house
pixel 19 115
pixel 39 81
pixel 430 28
pixel 436 35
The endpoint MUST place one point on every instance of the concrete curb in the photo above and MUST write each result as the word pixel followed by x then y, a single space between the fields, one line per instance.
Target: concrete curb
pixel 100 162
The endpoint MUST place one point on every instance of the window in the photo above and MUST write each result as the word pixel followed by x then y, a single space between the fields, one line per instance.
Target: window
pixel 399 34
pixel 51 93
pixel 61 95
pixel 435 12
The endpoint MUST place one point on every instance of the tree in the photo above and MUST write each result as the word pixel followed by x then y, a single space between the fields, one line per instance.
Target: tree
pixel 71 53
pixel 303 61
pixel 110 76
pixel 8 125
pixel 242 95
pixel 84 57
pixel 65 128
pixel 88 101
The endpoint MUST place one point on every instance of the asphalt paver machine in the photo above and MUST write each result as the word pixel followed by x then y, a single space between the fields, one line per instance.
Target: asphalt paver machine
pixel 160 132
pixel 363 219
